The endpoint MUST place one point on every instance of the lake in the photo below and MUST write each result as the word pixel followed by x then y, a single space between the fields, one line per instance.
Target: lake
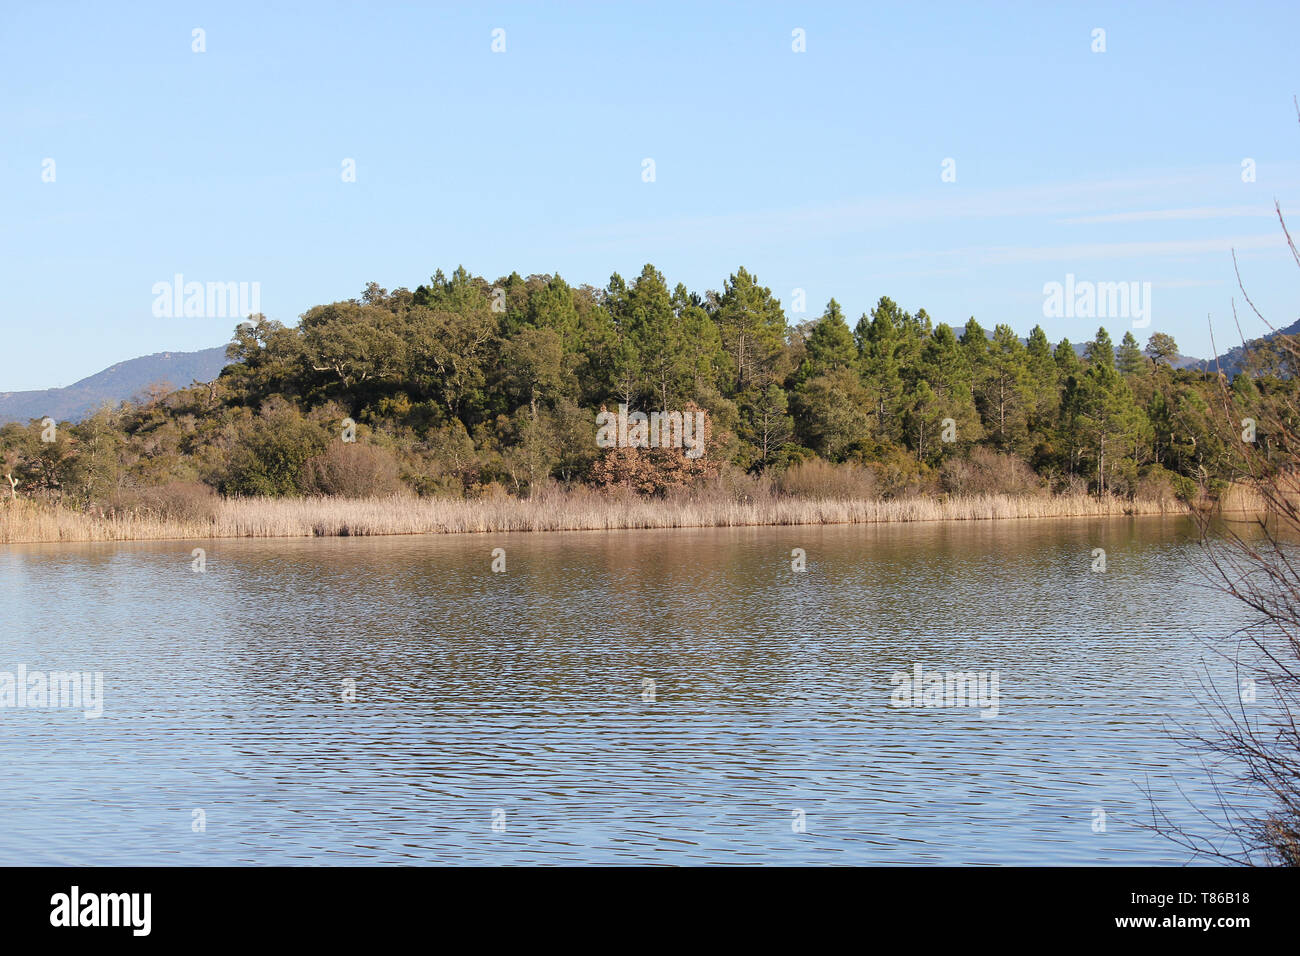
pixel 678 697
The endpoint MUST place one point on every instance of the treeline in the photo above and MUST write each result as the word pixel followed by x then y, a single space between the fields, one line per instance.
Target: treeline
pixel 470 387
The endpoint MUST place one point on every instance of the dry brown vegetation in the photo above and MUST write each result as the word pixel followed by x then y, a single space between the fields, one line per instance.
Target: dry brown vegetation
pixel 28 521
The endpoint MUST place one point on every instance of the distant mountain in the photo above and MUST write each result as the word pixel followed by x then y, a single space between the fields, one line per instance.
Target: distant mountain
pixel 1178 361
pixel 119 383
pixel 1230 361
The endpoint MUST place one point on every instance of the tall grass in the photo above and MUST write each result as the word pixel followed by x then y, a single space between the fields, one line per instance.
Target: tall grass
pixel 28 521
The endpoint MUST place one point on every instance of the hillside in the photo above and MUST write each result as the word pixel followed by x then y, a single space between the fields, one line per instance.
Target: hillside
pixel 115 384
pixel 1230 361
pixel 125 380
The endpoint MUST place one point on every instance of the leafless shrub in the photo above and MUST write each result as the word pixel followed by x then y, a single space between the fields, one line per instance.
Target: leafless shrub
pixel 1070 484
pixel 352 470
pixel 1252 744
pixel 176 500
pixel 730 485
pixel 817 479
pixel 986 472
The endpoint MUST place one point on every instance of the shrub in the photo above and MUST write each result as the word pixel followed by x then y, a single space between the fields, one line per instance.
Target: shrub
pixel 656 471
pixel 180 500
pixel 1161 484
pixel 816 478
pixel 900 475
pixel 1070 485
pixel 490 491
pixel 986 472
pixel 1186 488
pixel 731 484
pixel 352 470
pixel 268 458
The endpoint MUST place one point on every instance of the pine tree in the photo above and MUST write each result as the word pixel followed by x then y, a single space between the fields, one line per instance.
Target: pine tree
pixel 831 411
pixel 659 339
pixel 1003 390
pixel 830 343
pixel 976 346
pixel 772 425
pixel 923 422
pixel 1113 427
pixel 1042 391
pixel 1101 351
pixel 881 377
pixel 752 324
pixel 944 369
pixel 1130 360
pixel 1067 361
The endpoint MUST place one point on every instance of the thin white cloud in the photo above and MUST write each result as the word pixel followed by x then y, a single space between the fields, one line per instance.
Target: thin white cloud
pixel 945 202
pixel 1008 255
pixel 1165 215
pixel 1186 283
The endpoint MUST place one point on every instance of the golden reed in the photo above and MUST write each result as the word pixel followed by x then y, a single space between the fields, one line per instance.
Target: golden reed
pixel 30 521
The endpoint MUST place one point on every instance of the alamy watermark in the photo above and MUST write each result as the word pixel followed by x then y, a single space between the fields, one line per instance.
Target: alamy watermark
pixel 1098 300
pixel 656 430
pixel 72 689
pixel 946 689
pixel 206 300
pixel 75 908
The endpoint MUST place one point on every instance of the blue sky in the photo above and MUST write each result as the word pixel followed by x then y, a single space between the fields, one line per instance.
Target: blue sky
pixel 818 171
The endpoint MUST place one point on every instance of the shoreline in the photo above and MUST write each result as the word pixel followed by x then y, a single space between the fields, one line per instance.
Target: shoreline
pixel 26 522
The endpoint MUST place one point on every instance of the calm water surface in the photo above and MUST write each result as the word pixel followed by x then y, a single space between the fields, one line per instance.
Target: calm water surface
pixel 521 695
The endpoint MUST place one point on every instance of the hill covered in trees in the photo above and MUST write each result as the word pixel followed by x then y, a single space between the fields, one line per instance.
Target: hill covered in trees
pixel 467 387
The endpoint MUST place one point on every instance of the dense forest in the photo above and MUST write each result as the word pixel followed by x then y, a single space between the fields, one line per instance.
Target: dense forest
pixel 465 387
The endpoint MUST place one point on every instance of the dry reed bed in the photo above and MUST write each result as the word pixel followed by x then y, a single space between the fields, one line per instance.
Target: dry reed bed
pixel 25 521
